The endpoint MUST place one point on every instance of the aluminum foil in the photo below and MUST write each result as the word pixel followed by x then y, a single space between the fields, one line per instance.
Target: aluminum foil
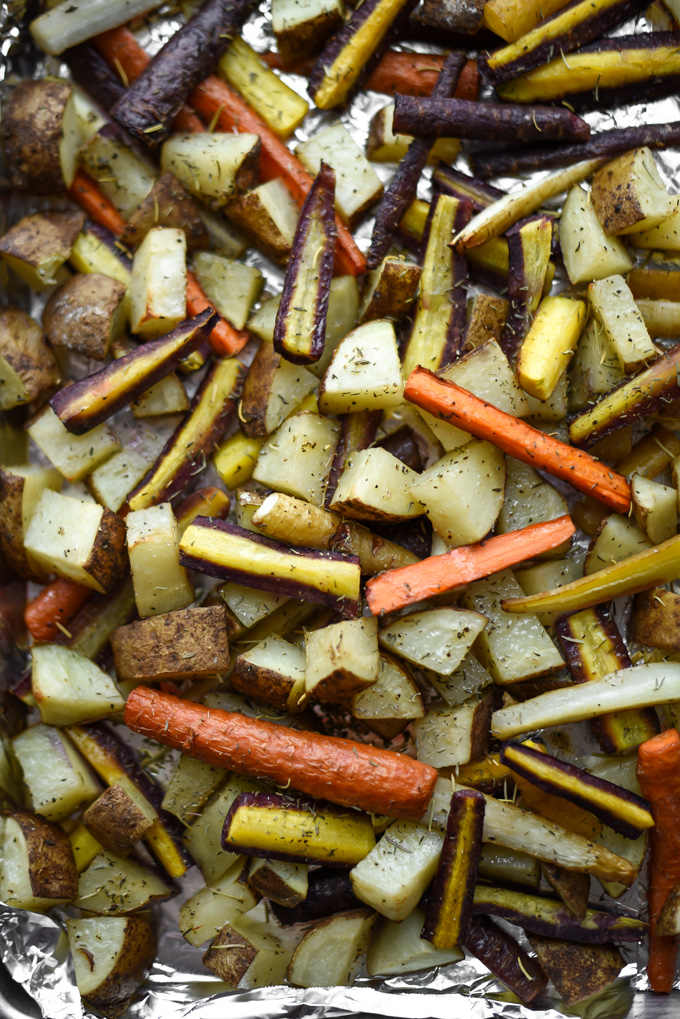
pixel 34 947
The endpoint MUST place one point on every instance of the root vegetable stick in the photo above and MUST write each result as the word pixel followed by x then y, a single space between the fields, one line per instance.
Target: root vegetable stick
pixel 215 101
pixel 658 772
pixel 394 589
pixel 56 604
pixel 451 403
pixel 462 118
pixel 326 767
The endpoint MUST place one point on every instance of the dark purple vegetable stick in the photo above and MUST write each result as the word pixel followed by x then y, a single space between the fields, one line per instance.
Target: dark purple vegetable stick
pixel 507 960
pixel 93 74
pixel 152 102
pixel 358 431
pixel 402 188
pixel 605 143
pixel 300 327
pixel 329 891
pixel 463 118
pixel 529 249
pixel 461 185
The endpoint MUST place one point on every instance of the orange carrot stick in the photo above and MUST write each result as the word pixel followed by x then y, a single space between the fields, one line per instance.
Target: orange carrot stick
pixel 449 402
pixel 224 339
pixel 325 767
pixel 395 589
pixel 58 602
pixel 215 101
pixel 658 772
pixel 86 193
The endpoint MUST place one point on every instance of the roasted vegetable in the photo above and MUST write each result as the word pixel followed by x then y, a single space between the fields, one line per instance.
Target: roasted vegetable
pixel 462 118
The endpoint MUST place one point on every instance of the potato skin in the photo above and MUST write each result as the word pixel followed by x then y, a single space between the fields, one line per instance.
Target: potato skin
pixel 52 866
pixel 37 237
pixel 167 204
pixel 23 346
pixel 129 970
pixel 174 645
pixel 231 965
pixel 11 525
pixel 656 619
pixel 78 315
pixel 108 556
pixel 115 820
pixel 32 133
pixel 256 389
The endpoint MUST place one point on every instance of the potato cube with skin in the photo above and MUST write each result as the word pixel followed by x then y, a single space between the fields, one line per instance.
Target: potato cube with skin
pixel 248 953
pixel 213 166
pixel 376 486
pixel 38 868
pixel 357 185
pixel 205 913
pixel 69 688
pixel 390 289
pixel 268 214
pixel 463 492
pixel 272 671
pixel 120 817
pixel 272 389
pixel 665 236
pixel 157 291
pixel 447 737
pixel 391 702
pixel 365 372
pixel 297 458
pixel 624 327
pixel 394 875
pixel 279 881
pixel 656 619
pixel 86 314
pixel 302 26
pixel 176 645
pixel 56 779
pixel 77 539
pixel 28 368
pixel 331 952
pixel 655 508
pixel 342 659
pixel 110 483
pixel 399 948
pixel 111 956
pixel 74 456
pixel 436 639
pixel 231 286
pixel 511 647
pixel 628 194
pixel 37 246
pixel 20 491
pixel 588 253
pixel 161 584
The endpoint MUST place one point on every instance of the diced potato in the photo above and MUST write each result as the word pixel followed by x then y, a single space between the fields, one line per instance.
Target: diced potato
pixel 391 702
pixel 298 457
pixel 588 253
pixel 248 605
pixel 205 913
pixel 77 539
pixel 665 236
pixel 120 817
pixel 256 957
pixel 111 956
pixel 213 166
pixel 656 619
pixel 546 577
pixel 469 679
pixel 399 948
pixel 357 185
pixel 486 318
pixel 365 372
pixel 302 26
pixel 436 639
pixel 273 388
pixel 463 492
pixel 616 538
pixel 341 659
pixel 485 372
pixel 272 671
pixel 112 480
pixel 21 489
pixel 74 456
pixel 69 688
pixel 123 176
pixel 447 737
pixel 628 194
pixel 376 486
pixel 268 214
pixel 160 583
pixel 394 875
pixel 56 778
pixel 279 880
pixel 622 322
pixel 655 508
pixel 329 955
pixel 204 838
pixel 184 644
pixel 529 499
pixel 192 784
pixel 231 286
pixel 113 885
pixel 38 869
pixel 595 368
pixel 157 292
pixel 37 246
pixel 511 647
pixel 28 368
pixel 390 289
pixel 384 146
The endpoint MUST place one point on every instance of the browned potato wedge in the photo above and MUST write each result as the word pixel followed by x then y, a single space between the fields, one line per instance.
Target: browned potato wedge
pixel 486 317
pixel 28 368
pixel 111 956
pixel 390 289
pixel 391 702
pixel 342 659
pixel 628 194
pixel 175 645
pixel 113 885
pixel 20 492
pixel 301 30
pixel 37 246
pixel 120 817
pixel 450 736
pixel 273 672
pixel 38 868
pixel 656 619
pixel 255 956
pixel 32 135
pixel 86 314
pixel 279 881
pixel 654 508
pixel 167 204
pixel 268 215
pixel 577 971
pixel 330 953
pixel 273 387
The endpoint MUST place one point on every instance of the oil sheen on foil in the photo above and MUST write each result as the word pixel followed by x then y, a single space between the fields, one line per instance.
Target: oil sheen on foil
pixel 34 947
